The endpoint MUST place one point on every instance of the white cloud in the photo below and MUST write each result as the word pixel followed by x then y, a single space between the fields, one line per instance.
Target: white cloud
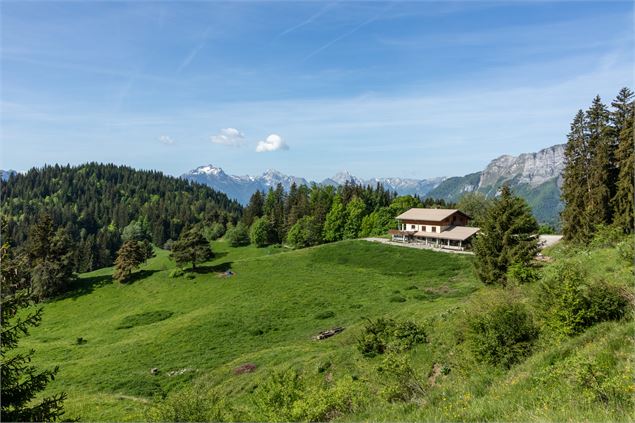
pixel 229 136
pixel 273 142
pixel 167 140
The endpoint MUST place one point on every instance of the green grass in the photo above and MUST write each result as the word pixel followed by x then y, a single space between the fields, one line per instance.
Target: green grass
pixel 267 313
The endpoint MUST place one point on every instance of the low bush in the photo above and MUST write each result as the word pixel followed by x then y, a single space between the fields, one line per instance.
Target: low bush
pixel 626 249
pixel 384 335
pixel 571 303
pixel 519 274
pixel 189 405
pixel 502 335
pixel 400 379
pixel 237 236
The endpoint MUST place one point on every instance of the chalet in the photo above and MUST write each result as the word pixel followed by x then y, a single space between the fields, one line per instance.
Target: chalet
pixel 443 228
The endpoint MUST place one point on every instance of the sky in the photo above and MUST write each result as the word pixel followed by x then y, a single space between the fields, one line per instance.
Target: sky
pixel 413 89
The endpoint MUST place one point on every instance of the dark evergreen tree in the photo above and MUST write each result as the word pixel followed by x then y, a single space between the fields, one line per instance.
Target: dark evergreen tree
pixel 21 382
pixel 601 164
pixel 274 211
pixel 509 236
pixel 254 209
pixel 130 256
pixel 623 202
pixel 191 247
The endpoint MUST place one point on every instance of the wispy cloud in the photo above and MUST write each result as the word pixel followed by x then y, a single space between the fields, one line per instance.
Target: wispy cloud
pixel 229 136
pixel 273 142
pixel 166 140
pixel 311 18
pixel 351 31
pixel 195 51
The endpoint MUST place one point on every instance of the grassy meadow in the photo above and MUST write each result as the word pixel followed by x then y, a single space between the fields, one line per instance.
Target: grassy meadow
pixel 196 329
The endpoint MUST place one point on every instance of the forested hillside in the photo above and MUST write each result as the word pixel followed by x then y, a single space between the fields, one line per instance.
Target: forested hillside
pixel 94 203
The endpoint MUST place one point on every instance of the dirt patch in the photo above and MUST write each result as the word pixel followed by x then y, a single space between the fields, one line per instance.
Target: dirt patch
pixel 434 374
pixel 245 368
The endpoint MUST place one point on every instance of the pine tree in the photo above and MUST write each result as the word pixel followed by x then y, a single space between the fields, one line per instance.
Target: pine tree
pixel 191 247
pixel 508 237
pixel 335 221
pixel 20 381
pixel 623 203
pixel 130 256
pixel 598 210
pixel 254 209
pixel 575 224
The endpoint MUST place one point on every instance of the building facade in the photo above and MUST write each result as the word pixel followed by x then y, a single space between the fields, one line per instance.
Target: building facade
pixel 442 228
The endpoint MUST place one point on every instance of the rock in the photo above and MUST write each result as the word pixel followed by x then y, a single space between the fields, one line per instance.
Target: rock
pixel 328 333
pixel 154 371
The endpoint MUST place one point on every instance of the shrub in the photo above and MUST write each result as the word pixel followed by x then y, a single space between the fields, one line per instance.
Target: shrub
pixel 383 335
pixel 261 232
pixel 286 397
pixel 502 335
pixel 189 405
pixel 626 249
pixel 519 274
pixel 168 245
pixel 214 232
pixel 606 236
pixel 401 381
pixel 570 302
pixel 237 236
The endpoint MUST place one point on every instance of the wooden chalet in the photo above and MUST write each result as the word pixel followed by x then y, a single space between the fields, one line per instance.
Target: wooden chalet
pixel 443 228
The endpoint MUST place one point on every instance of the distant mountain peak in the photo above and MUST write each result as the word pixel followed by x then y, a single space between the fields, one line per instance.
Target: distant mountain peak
pixel 208 170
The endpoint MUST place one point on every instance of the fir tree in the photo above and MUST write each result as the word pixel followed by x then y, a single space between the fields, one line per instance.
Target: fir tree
pixel 623 203
pixel 575 225
pixel 191 247
pixel 508 237
pixel 130 256
pixel 254 209
pixel 20 381
pixel 601 162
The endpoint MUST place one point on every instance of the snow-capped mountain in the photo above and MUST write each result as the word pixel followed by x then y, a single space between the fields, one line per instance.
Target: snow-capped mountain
pixel 242 187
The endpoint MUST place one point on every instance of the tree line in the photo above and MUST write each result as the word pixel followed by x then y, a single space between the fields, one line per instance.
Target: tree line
pixel 92 206
pixel 598 187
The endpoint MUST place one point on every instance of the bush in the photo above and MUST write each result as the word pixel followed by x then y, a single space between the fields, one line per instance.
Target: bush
pixel 384 335
pixel 401 381
pixel 606 236
pixel 626 249
pixel 305 233
pixel 168 244
pixel 189 405
pixel 502 335
pixel 261 232
pixel 286 397
pixel 570 302
pixel 237 236
pixel 519 274
pixel 214 232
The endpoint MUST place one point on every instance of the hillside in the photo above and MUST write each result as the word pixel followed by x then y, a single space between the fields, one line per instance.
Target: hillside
pixel 95 202
pixel 198 331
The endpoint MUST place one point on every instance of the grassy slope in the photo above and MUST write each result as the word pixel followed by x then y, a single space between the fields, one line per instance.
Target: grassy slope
pixel 266 315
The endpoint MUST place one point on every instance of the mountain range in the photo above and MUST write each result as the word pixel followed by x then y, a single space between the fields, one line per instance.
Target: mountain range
pixel 534 176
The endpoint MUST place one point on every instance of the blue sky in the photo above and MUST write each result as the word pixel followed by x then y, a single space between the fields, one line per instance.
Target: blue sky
pixel 410 89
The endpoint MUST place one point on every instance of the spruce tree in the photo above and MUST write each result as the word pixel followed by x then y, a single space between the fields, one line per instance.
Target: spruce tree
pixel 601 164
pixel 254 209
pixel 20 381
pixel 130 256
pixel 623 203
pixel 575 224
pixel 191 247
pixel 509 236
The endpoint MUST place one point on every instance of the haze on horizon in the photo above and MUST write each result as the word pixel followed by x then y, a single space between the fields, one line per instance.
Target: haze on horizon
pixel 400 89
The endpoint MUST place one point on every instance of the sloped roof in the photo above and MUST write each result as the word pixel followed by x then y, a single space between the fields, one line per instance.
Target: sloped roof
pixel 454 233
pixel 434 215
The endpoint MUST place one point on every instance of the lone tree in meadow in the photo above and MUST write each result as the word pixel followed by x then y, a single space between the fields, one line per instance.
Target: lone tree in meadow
pixel 509 236
pixel 20 381
pixel 130 256
pixel 191 247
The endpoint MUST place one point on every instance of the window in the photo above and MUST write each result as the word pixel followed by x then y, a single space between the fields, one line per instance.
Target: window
pixel 412 226
pixel 434 229
pixel 423 228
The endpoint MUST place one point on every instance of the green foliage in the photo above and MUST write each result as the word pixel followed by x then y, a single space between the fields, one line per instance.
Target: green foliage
pixel 403 203
pixel 508 236
pixel 304 233
pixel 95 202
pixel 176 273
pixel 190 405
pixel 237 236
pixel 142 319
pixel 137 230
pixel 214 232
pixel 285 396
pixel 626 249
pixel 570 302
pixel 546 229
pixel 335 221
pixel 501 335
pixel 605 236
pixel 476 205
pixel 130 256
pixel 355 211
pixel 400 379
pixel 21 382
pixel 519 274
pixel 192 247
pixel 261 232
pixel 378 222
pixel 382 335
